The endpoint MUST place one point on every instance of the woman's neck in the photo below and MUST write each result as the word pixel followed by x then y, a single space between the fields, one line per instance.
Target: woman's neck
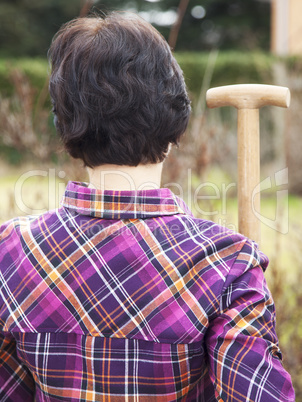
pixel 131 178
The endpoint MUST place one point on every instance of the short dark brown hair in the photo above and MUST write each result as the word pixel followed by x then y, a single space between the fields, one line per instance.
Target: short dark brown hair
pixel 118 94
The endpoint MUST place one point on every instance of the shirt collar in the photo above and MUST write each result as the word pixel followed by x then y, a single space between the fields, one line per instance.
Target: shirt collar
pixel 109 204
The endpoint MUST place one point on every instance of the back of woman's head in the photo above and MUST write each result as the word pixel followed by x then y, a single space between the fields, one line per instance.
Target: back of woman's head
pixel 119 95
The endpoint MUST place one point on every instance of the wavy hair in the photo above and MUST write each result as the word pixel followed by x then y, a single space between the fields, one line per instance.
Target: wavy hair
pixel 118 94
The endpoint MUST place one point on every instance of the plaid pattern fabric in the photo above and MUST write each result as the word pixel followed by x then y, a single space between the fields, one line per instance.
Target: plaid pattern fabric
pixel 123 296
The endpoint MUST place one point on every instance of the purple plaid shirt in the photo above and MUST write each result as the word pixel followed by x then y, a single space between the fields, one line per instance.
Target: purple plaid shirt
pixel 125 296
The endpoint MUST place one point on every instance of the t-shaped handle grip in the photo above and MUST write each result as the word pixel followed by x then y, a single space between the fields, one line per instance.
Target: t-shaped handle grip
pixel 248 98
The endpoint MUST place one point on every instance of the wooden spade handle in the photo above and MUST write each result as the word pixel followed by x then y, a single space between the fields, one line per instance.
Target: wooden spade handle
pixel 248 98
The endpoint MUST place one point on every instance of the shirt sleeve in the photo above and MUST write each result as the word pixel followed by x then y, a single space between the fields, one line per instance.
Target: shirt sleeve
pixel 16 382
pixel 245 362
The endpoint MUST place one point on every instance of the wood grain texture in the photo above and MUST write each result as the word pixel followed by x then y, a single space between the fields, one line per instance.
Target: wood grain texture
pixel 248 96
pixel 248 99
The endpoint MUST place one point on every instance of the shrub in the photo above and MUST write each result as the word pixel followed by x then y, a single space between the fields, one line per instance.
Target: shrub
pixel 230 68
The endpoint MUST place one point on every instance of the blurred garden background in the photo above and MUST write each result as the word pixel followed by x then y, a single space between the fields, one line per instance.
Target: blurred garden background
pixel 216 42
